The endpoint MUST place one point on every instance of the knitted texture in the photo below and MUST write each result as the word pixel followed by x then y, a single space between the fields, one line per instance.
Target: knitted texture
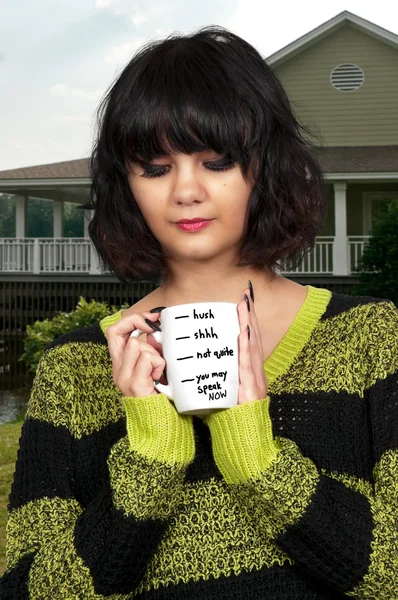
pixel 291 497
pixel 243 444
pixel 157 431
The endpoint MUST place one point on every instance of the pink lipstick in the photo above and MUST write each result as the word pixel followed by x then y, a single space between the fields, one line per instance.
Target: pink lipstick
pixel 193 224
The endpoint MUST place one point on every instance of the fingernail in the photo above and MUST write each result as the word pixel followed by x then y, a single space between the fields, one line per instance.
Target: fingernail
pixel 153 325
pixel 157 309
pixel 247 302
pixel 251 291
pixel 248 332
pixel 156 381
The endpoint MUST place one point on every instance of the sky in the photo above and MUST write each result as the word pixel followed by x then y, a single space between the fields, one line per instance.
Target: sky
pixel 57 59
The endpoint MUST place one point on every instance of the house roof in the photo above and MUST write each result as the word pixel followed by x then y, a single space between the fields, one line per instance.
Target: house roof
pixel 358 159
pixel 315 35
pixel 333 159
pixel 69 169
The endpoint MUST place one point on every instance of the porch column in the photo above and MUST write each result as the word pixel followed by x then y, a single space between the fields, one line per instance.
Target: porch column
pixel 21 204
pixel 340 246
pixel 88 215
pixel 58 219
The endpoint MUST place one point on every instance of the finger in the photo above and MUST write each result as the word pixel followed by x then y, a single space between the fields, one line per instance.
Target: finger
pixel 127 368
pixel 158 347
pixel 150 366
pixel 118 334
pixel 254 325
pixel 246 376
pixel 246 318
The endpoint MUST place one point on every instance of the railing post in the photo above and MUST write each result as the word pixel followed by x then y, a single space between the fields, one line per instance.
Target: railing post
pixel 36 257
pixel 94 262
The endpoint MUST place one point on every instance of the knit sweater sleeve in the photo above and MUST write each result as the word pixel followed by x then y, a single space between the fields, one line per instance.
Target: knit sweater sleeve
pixel 335 533
pixel 59 546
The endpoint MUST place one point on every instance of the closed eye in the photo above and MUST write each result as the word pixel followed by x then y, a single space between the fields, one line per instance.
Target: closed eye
pixel 153 171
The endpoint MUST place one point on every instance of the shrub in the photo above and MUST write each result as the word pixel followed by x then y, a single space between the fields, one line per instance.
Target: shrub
pixel 42 333
pixel 377 271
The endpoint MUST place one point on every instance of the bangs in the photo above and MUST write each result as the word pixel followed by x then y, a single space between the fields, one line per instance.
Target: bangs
pixel 181 104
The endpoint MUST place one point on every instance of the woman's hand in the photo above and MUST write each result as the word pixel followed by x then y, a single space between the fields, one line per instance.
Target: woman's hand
pixel 253 381
pixel 135 364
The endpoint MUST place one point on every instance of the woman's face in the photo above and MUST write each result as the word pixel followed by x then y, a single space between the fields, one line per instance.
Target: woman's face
pixel 181 186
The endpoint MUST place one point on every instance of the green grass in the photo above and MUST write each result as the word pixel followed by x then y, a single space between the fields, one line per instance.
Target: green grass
pixel 9 439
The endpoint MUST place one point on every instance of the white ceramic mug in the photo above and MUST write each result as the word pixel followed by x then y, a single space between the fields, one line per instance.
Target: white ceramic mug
pixel 200 347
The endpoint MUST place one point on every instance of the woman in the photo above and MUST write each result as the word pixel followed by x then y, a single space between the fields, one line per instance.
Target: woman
pixel 290 494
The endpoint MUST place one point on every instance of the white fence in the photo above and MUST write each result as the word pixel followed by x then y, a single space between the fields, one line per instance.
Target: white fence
pixel 46 255
pixel 356 245
pixel 77 255
pixel 319 261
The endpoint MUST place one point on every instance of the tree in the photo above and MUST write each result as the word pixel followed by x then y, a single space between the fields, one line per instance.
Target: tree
pixel 7 216
pixel 39 218
pixel 377 271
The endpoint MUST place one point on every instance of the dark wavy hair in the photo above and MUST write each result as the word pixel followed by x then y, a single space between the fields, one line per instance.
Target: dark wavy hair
pixel 189 93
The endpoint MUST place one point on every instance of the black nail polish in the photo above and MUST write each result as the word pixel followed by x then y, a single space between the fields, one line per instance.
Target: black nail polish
pixel 251 291
pixel 248 332
pixel 247 302
pixel 157 309
pixel 156 381
pixel 153 325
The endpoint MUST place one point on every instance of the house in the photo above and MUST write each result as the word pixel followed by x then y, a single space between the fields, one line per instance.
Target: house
pixel 342 81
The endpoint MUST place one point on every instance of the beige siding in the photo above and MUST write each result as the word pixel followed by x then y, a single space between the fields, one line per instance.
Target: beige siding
pixel 368 116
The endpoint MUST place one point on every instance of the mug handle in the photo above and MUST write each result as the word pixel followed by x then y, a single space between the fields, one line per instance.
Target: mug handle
pixel 158 335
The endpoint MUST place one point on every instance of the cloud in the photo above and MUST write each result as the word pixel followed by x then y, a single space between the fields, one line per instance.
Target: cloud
pixel 101 4
pixel 123 52
pixel 60 89
pixel 139 18
pixel 68 119
pixel 137 11
pixel 34 146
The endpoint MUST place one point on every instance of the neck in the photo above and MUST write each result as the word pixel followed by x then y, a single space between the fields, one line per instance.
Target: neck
pixel 214 284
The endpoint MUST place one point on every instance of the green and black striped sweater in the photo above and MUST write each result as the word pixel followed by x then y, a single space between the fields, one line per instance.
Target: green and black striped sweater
pixel 290 497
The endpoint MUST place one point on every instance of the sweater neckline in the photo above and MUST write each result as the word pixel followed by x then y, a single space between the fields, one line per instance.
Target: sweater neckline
pixel 299 332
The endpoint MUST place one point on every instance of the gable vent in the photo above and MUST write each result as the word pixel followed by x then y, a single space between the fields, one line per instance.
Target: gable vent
pixel 347 78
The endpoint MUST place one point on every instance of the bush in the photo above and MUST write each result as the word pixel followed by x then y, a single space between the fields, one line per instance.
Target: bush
pixel 377 271
pixel 42 333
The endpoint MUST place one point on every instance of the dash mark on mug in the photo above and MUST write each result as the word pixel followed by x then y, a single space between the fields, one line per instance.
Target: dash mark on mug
pixel 185 357
pixel 184 380
pixel 184 338
pixel 182 317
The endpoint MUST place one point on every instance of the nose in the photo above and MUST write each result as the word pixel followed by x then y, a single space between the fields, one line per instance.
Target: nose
pixel 188 188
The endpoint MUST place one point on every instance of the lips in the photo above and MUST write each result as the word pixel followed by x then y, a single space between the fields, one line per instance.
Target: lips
pixel 193 224
pixel 196 220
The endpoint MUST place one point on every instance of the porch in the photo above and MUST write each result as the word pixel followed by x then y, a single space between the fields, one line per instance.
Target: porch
pixel 38 256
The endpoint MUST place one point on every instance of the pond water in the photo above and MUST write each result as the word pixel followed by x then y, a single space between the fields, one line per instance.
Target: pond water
pixel 13 403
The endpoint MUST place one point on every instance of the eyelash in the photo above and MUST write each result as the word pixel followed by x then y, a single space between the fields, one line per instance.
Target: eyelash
pixel 163 170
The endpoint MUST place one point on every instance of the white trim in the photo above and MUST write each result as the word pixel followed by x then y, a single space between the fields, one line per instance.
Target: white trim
pixel 20 216
pixel 340 246
pixel 358 176
pixel 55 183
pixel 44 183
pixel 325 29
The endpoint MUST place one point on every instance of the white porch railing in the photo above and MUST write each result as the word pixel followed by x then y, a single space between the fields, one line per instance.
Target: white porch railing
pixel 356 245
pixel 45 255
pixel 319 261
pixel 77 255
